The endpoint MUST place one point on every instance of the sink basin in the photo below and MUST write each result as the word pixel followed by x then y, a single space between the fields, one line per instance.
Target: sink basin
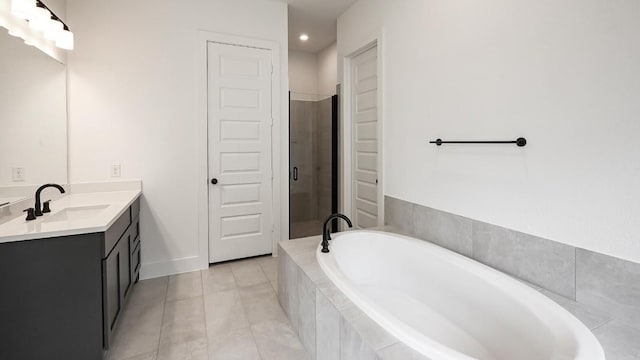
pixel 76 213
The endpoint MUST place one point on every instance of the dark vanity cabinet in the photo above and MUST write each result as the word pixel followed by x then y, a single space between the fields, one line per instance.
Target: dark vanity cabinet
pixel 61 297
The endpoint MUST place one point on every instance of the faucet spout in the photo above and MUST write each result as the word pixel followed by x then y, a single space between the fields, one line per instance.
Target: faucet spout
pixel 38 206
pixel 326 230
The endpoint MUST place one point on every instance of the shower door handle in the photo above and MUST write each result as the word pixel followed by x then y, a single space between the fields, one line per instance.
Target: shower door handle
pixel 295 173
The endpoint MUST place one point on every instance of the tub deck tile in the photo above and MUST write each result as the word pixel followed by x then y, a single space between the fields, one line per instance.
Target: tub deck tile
pixel 297 246
pixel 589 316
pixel 400 351
pixel 620 342
pixel 609 284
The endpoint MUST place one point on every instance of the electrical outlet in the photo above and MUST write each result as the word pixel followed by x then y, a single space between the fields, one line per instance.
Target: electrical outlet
pixel 17 174
pixel 115 170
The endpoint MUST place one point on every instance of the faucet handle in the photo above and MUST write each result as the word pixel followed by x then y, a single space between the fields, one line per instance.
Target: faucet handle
pixel 45 207
pixel 30 214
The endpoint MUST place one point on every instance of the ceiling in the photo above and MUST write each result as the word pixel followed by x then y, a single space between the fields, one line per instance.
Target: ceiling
pixel 316 18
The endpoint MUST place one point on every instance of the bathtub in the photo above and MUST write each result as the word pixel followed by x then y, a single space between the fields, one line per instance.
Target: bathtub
pixel 447 306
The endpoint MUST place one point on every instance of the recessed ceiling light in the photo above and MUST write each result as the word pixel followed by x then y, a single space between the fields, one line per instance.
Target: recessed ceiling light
pixel 304 37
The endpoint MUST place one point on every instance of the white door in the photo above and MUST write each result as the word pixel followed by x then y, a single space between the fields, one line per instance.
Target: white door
pixel 364 100
pixel 240 172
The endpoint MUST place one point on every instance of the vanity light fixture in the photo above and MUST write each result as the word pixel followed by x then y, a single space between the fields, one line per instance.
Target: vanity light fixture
pixel 45 29
pixel 304 37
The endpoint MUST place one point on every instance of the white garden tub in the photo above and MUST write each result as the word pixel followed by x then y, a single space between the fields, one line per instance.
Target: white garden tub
pixel 447 306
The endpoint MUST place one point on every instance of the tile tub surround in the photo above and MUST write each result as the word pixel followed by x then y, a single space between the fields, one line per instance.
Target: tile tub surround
pixel 343 332
pixel 609 284
pixel 227 312
pixel 329 326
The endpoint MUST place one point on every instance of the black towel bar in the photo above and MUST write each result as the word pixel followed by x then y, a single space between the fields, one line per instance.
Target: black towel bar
pixel 519 141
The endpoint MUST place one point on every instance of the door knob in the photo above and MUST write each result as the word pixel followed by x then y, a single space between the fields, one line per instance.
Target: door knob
pixel 214 181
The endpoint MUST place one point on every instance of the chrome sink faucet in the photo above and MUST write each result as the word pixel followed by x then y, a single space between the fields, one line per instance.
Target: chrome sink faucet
pixel 326 230
pixel 38 207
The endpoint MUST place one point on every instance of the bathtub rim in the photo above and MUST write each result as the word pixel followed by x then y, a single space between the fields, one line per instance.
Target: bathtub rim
pixel 588 347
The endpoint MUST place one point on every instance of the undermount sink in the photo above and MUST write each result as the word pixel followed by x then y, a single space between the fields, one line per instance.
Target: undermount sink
pixel 76 213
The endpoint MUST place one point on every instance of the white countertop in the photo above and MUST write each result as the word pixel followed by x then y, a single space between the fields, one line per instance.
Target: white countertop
pixel 9 200
pixel 110 205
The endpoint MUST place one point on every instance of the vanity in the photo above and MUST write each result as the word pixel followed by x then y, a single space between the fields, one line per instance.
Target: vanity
pixel 66 276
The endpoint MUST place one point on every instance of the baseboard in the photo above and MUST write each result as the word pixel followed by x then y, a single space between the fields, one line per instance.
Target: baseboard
pixel 171 267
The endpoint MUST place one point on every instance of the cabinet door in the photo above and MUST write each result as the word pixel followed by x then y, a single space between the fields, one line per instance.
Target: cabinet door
pixel 111 291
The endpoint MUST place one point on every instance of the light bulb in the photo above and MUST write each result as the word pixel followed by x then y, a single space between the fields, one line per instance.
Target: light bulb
pixel 304 37
pixel 53 30
pixel 23 9
pixel 65 40
pixel 40 20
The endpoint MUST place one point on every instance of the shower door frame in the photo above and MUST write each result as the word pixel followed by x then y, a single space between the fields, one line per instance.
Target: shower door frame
pixel 335 160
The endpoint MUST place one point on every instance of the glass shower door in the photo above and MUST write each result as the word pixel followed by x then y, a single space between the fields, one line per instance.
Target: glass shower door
pixel 312 171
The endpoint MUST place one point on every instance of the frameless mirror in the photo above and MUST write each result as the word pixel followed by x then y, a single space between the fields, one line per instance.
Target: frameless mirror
pixel 33 119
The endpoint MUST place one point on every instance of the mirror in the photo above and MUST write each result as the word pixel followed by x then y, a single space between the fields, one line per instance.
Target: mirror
pixel 33 119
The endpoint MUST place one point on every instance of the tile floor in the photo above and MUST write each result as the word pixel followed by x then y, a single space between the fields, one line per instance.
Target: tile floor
pixel 229 311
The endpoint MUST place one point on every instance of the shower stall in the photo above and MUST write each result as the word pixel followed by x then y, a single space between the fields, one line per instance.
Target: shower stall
pixel 313 159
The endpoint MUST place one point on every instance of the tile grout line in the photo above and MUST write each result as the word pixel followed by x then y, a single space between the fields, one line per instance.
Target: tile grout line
pixel 244 311
pixel 204 313
pixel 164 308
pixel 264 272
pixel 602 324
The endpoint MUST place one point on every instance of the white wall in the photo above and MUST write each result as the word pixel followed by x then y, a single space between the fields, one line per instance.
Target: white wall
pixel 133 93
pixel 327 70
pixel 313 76
pixel 303 75
pixel 563 74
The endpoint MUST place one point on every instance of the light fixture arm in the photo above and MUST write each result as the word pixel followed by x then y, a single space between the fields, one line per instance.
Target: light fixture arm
pixel 53 15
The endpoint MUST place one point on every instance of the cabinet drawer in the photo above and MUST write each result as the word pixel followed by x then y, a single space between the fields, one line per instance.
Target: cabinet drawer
pixel 116 230
pixel 134 243
pixel 135 229
pixel 135 263
pixel 125 268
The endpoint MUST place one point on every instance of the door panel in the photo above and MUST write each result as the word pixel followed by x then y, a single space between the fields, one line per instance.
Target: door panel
pixel 111 294
pixel 366 194
pixel 240 123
